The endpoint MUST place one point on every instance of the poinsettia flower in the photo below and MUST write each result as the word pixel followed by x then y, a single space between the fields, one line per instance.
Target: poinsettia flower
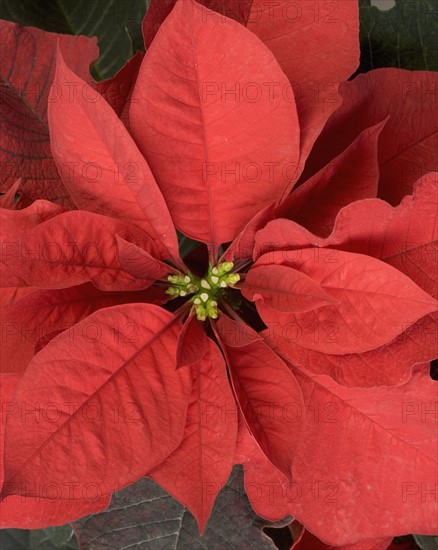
pixel 134 361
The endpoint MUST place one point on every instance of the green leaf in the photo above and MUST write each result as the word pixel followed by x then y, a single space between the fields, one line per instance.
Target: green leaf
pixel 405 36
pixel 14 539
pixel 116 23
pixel 52 538
pixel 426 543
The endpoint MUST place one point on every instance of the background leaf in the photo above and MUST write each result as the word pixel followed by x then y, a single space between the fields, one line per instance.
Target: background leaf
pixel 426 543
pixel 144 516
pixel 116 23
pixel 53 538
pixel 405 36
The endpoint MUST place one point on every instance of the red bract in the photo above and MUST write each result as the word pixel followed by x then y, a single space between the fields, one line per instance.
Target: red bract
pixel 132 361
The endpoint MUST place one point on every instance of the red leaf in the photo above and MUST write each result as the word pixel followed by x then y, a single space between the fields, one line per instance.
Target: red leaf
pixel 12 223
pixel 284 289
pixel 265 485
pixel 140 263
pixel 27 70
pixel 407 144
pixel 242 246
pixel 317 46
pixel 304 540
pixel 382 443
pixel 159 9
pixel 75 248
pixel 20 512
pixel 376 302
pixel 11 293
pixel 117 410
pixel 230 155
pixel 388 365
pixel 99 162
pixel 405 237
pixel 351 176
pixel 265 389
pixel 118 90
pixel 192 343
pixel 199 468
pixel 44 313
pixel 294 32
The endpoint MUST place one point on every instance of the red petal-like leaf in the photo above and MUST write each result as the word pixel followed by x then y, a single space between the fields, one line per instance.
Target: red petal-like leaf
pixel 159 9
pixel 75 248
pixel 12 223
pixel 30 512
pixel 284 289
pixel 26 72
pixel 376 302
pixel 39 316
pixel 304 540
pixel 408 144
pixel 387 365
pixel 100 164
pixel 218 156
pixel 317 46
pixel 118 90
pixel 351 176
pixel 140 263
pixel 108 404
pixel 264 483
pixel 265 389
pixel 243 245
pixel 381 443
pixel 11 293
pixel 192 343
pixel 405 237
pixel 196 472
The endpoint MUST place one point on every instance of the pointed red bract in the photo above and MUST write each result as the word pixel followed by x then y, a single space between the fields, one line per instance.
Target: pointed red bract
pixel 351 176
pixel 27 70
pixel 376 302
pixel 219 156
pixel 140 263
pixel 316 45
pixel 118 90
pixel 42 314
pixel 265 485
pixel 265 389
pixel 388 365
pixel 243 245
pixel 159 9
pixel 359 445
pixel 192 343
pixel 284 289
pixel 12 224
pixel 405 237
pixel 30 512
pixel 201 466
pixel 407 144
pixel 304 540
pixel 117 410
pixel 75 248
pixel 99 162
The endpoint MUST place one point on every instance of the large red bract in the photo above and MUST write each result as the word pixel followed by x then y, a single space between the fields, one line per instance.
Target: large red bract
pixel 238 130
